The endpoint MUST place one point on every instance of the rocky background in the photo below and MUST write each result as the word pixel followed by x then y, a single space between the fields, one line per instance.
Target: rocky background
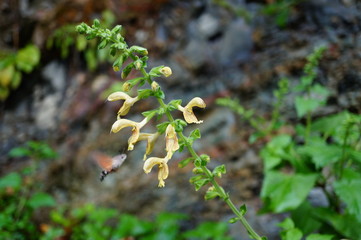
pixel 214 51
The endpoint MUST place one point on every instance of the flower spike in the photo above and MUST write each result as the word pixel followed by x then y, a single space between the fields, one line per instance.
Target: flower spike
pixel 188 110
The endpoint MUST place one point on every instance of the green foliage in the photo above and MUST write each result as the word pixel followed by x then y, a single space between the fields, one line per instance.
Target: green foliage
pixel 280 10
pixel 35 150
pixel 323 153
pixel 13 64
pixel 66 40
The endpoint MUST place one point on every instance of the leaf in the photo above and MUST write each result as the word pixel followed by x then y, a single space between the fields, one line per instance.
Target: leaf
pixel 347 224
pixel 275 151
pixel 19 152
pixel 319 237
pixel 305 105
pixel 282 192
pixel 195 134
pixel 350 192
pixel 41 199
pixel 185 162
pixel 27 58
pixel 321 153
pixel 155 72
pixel 12 180
pixel 304 219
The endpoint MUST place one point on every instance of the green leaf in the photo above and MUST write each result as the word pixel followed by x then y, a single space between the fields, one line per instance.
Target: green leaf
pixel 349 191
pixel 304 219
pixel 316 236
pixel 179 124
pixel 12 180
pixel 195 134
pixel 150 113
pixel 144 93
pixel 219 170
pixel 243 209
pixel 173 105
pixel 275 151
pixel 140 50
pixel 282 192
pixel 185 162
pixel 346 224
pixel 321 153
pixel 211 194
pixel 19 152
pixel 41 200
pixel 27 58
pixel 289 231
pixel 305 105
pixel 155 72
pixel 162 127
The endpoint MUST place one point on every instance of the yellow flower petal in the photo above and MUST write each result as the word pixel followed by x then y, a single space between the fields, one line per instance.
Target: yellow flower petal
pixel 136 126
pixel 163 168
pixel 171 140
pixel 188 110
pixel 151 139
pixel 128 101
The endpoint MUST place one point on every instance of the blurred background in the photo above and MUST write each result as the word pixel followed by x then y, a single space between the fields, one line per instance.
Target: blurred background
pixel 53 114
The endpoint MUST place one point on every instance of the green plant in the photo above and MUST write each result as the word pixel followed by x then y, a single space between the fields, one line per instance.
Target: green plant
pixel 20 195
pixel 281 10
pixel 12 64
pixel 90 222
pixel 323 153
pixel 135 58
pixel 65 38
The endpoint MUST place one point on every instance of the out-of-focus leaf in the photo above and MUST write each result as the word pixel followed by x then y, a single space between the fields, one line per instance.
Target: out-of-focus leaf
pixel 282 192
pixel 11 180
pixel 41 199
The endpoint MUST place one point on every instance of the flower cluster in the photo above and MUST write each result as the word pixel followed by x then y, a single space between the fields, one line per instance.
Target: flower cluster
pixel 171 139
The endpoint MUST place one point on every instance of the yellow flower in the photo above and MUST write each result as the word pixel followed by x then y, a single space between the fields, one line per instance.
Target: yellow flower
pixel 128 101
pixel 151 138
pixel 136 126
pixel 171 140
pixel 166 71
pixel 188 110
pixel 163 170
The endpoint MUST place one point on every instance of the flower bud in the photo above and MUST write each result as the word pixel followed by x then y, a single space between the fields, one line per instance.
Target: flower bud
pixel 155 86
pixel 166 71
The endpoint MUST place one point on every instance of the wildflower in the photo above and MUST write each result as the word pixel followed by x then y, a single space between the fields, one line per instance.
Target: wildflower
pixel 128 101
pixel 136 126
pixel 163 170
pixel 166 71
pixel 171 140
pixel 188 110
pixel 151 138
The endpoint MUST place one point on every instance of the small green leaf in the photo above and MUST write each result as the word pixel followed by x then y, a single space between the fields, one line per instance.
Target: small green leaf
pixel 144 93
pixel 173 105
pixel 149 114
pixel 243 209
pixel 41 200
pixel 233 220
pixel 305 105
pixel 185 162
pixel 102 44
pixel 96 23
pixel 200 183
pixel 19 152
pixel 162 127
pixel 179 124
pixel 195 134
pixel 140 50
pixel 211 194
pixel 12 180
pixel 219 170
pixel 155 72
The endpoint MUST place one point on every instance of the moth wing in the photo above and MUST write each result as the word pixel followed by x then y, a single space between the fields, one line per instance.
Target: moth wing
pixel 118 160
pixel 103 160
